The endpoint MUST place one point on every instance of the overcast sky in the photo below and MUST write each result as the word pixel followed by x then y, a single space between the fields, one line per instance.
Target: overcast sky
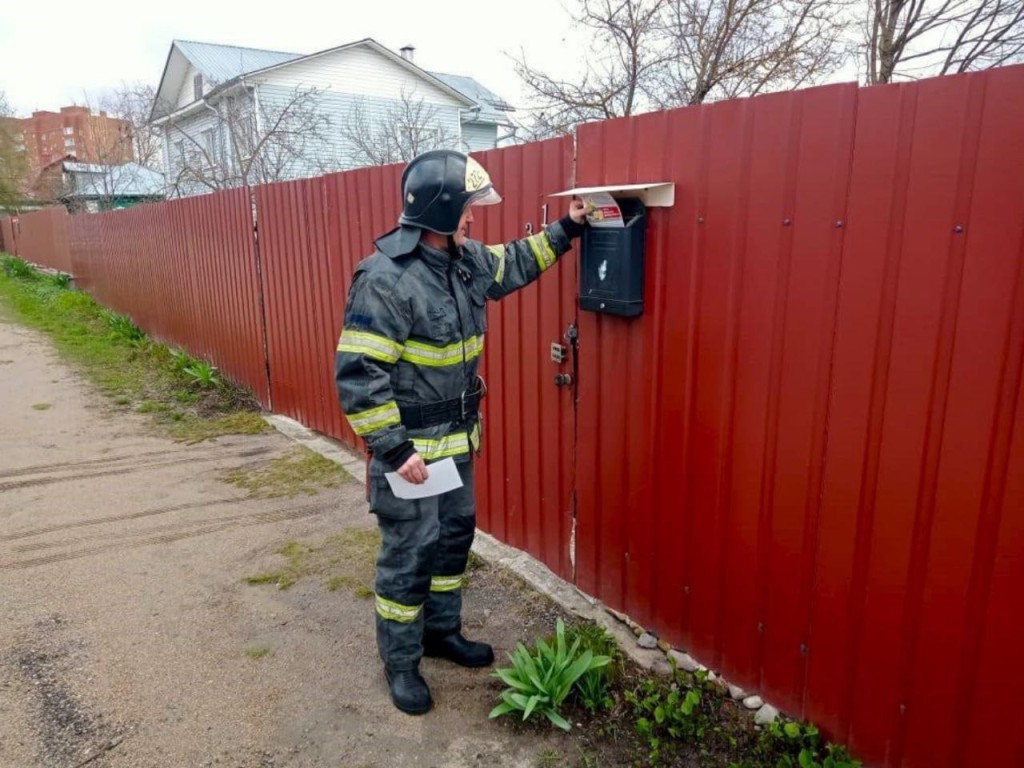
pixel 51 53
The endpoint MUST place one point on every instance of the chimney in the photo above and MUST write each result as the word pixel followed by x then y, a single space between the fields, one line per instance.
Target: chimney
pixel 407 52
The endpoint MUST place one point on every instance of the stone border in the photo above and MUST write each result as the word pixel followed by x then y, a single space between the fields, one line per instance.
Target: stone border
pixel 642 647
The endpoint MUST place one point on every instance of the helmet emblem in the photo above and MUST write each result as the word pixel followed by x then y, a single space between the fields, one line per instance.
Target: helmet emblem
pixel 476 176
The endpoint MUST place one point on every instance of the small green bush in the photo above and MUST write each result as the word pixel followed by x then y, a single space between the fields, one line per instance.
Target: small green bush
pixel 14 267
pixel 539 681
pixel 594 686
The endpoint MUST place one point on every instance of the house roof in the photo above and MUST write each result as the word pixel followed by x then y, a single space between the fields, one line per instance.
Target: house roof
pixel 127 180
pixel 493 108
pixel 71 166
pixel 221 64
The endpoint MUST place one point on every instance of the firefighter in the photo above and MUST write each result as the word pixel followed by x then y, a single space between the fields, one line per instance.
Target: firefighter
pixel 406 372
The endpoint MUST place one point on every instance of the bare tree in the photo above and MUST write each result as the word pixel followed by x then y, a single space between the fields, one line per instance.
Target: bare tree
pixel 408 127
pixel 729 48
pixel 133 102
pixel 664 53
pixel 915 38
pixel 246 140
pixel 627 51
pixel 13 164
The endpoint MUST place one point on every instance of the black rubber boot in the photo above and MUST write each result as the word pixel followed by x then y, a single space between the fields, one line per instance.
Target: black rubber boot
pixel 455 647
pixel 409 691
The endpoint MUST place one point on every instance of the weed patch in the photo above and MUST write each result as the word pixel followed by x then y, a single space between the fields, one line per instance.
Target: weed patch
pixel 298 472
pixel 344 560
pixel 625 716
pixel 188 398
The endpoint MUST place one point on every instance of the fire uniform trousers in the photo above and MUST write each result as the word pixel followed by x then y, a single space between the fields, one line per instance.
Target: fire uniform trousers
pixel 413 334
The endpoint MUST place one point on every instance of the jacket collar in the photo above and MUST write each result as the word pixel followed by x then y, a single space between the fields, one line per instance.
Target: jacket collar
pixel 434 256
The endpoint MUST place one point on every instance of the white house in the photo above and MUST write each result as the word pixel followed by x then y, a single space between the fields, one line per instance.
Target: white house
pixel 231 115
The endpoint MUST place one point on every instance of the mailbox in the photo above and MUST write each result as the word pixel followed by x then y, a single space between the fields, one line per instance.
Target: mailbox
pixel 612 256
pixel 612 263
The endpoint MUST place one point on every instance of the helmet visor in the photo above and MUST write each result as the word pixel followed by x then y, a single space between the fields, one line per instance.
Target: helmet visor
pixel 488 197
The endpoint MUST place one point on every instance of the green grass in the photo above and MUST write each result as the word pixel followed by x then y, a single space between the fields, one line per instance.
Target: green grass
pixel 344 560
pixel 120 360
pixel 298 472
pixel 42 406
pixel 257 652
pixel 194 429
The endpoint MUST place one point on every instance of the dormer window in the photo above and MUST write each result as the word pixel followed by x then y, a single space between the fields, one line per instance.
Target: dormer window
pixel 197 87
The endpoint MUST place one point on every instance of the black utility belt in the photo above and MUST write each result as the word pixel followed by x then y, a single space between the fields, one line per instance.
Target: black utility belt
pixel 457 409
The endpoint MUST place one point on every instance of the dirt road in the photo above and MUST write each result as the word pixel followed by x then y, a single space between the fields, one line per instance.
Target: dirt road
pixel 127 628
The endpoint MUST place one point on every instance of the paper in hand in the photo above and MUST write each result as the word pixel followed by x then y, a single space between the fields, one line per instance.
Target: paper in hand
pixel 443 476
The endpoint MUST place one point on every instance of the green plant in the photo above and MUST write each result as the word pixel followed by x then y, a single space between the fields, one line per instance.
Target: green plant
pixel 593 690
pixel 17 268
pixel 61 280
pixel 203 374
pixel 672 712
pixel 797 745
pixel 123 328
pixel 180 359
pixel 593 686
pixel 538 682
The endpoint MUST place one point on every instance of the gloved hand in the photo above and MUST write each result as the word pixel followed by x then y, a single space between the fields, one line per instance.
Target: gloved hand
pixel 577 211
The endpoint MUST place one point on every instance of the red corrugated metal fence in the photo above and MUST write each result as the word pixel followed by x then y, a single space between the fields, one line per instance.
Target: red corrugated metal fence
pixel 8 236
pixel 312 233
pixel 815 427
pixel 804 463
pixel 526 480
pixel 44 234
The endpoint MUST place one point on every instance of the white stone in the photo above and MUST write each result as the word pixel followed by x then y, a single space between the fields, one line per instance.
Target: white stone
pixel 753 702
pixel 647 640
pixel 736 693
pixel 766 715
pixel 712 676
pixel 684 661
pixel 662 668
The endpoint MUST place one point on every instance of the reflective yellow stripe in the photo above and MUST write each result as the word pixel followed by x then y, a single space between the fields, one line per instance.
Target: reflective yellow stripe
pixel 388 609
pixel 542 252
pixel 474 437
pixel 430 449
pixel 365 422
pixel 552 258
pixel 498 252
pixel 446 583
pixel 372 344
pixel 438 357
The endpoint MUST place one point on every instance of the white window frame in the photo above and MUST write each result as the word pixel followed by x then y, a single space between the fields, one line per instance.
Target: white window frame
pixel 210 143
